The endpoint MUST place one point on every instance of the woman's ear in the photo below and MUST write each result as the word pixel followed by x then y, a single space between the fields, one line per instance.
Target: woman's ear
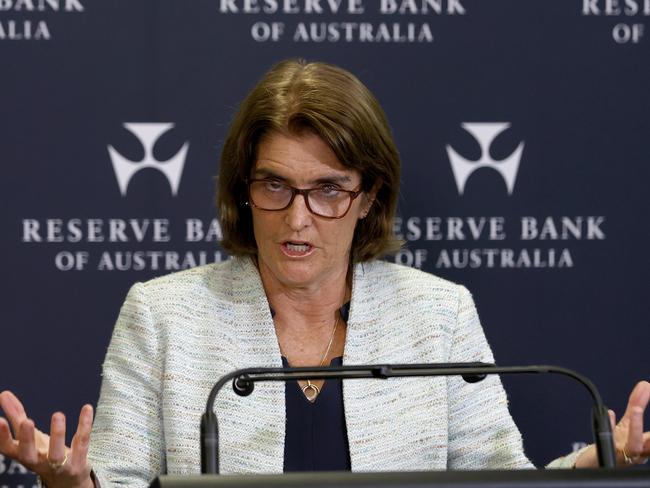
pixel 369 198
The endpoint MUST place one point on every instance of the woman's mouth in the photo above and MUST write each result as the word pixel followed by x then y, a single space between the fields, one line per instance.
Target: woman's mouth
pixel 297 249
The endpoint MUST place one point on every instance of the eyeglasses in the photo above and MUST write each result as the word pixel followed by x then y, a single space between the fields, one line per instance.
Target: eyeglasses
pixel 327 200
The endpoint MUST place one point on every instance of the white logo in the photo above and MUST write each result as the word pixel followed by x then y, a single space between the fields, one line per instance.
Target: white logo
pixel 148 134
pixel 485 133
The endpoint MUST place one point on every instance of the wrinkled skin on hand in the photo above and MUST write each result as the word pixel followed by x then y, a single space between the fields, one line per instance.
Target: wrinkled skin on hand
pixel 58 466
pixel 629 438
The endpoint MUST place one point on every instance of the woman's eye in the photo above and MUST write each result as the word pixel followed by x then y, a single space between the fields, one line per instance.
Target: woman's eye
pixel 274 186
pixel 330 190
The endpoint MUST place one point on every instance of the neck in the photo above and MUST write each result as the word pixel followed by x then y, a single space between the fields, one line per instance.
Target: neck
pixel 306 307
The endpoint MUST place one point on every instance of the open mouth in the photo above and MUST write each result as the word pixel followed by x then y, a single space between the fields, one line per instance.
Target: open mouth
pixel 296 248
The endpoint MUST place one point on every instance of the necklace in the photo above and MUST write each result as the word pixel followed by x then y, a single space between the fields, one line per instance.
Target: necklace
pixel 310 390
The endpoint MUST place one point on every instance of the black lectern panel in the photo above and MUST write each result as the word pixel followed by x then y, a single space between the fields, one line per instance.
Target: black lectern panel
pixel 636 478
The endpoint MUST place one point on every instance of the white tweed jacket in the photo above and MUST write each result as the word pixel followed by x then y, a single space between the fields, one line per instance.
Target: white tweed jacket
pixel 178 334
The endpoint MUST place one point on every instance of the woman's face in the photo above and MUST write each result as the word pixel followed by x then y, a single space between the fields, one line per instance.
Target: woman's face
pixel 296 248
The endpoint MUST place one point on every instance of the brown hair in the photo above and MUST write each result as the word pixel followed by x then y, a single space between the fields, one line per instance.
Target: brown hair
pixel 295 96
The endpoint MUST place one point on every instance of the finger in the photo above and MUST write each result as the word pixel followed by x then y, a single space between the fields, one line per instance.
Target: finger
pixel 634 445
pixel 13 409
pixel 26 445
pixel 56 451
pixel 81 438
pixel 639 397
pixel 8 446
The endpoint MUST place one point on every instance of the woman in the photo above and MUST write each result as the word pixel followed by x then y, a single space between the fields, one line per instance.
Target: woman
pixel 307 193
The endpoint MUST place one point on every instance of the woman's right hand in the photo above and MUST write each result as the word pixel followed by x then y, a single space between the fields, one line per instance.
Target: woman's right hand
pixel 47 456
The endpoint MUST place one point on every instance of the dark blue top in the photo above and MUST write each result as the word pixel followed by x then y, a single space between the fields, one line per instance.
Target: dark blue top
pixel 316 438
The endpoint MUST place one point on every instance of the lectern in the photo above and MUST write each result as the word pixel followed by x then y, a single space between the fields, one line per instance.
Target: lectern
pixel 243 382
pixel 551 478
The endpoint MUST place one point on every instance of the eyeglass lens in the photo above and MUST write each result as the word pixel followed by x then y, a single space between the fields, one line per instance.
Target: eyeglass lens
pixel 327 201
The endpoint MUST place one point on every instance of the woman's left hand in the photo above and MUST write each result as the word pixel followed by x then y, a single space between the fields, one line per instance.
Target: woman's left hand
pixel 631 443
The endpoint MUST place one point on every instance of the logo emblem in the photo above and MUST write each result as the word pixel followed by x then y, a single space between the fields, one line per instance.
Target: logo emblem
pixel 148 134
pixel 485 133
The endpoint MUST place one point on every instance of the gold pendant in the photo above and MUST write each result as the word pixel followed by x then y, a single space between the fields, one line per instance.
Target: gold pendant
pixel 310 391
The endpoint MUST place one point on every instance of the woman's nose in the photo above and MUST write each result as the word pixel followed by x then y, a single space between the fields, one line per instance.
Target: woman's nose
pixel 298 215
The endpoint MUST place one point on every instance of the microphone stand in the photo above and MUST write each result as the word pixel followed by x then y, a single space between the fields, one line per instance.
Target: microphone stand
pixel 243 383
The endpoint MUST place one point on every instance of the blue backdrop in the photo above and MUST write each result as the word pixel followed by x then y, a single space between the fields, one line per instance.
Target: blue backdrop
pixel 523 127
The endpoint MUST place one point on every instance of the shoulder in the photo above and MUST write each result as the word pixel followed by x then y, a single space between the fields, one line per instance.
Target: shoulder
pixel 215 281
pixel 399 280
pixel 401 293
pixel 198 302
pixel 403 314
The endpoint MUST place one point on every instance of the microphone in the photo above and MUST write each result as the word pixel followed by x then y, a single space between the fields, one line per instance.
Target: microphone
pixel 243 384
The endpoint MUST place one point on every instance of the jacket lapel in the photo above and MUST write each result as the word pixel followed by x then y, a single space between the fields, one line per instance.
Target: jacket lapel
pixel 253 427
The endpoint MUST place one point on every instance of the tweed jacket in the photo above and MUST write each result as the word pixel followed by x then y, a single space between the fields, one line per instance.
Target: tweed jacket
pixel 176 335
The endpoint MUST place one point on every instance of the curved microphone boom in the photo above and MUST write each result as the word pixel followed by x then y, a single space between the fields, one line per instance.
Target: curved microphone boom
pixel 243 383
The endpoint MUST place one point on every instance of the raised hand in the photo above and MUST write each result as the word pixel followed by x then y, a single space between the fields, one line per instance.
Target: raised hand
pixel 631 443
pixel 58 466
